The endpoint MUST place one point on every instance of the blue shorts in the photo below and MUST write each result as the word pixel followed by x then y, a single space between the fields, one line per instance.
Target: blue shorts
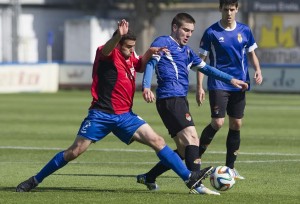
pixel 98 124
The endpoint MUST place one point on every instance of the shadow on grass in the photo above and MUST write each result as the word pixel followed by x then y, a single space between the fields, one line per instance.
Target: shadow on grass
pixel 88 189
pixel 68 189
pixel 110 175
pixel 83 189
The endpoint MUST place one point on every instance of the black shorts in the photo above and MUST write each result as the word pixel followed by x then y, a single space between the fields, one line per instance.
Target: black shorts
pixel 175 114
pixel 232 102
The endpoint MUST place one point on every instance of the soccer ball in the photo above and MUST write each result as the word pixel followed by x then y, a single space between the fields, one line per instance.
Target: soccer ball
pixel 222 178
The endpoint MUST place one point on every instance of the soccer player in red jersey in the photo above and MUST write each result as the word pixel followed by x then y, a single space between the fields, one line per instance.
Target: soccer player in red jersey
pixel 113 86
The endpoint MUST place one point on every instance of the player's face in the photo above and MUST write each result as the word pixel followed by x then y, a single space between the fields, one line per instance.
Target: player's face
pixel 183 33
pixel 228 14
pixel 127 48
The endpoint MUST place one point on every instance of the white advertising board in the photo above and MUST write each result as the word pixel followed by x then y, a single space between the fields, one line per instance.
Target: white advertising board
pixel 29 78
pixel 75 75
pixel 277 78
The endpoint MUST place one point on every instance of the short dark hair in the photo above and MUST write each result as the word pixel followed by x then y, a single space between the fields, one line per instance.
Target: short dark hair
pixel 129 36
pixel 181 18
pixel 229 2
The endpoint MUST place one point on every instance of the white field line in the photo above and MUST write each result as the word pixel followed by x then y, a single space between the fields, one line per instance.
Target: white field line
pixel 150 163
pixel 272 108
pixel 145 151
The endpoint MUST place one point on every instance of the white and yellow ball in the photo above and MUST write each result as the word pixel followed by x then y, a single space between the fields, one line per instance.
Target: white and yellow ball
pixel 222 178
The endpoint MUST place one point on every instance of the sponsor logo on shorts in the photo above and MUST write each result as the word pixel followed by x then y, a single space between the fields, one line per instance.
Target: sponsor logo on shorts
pixel 85 126
pixel 188 117
pixel 216 110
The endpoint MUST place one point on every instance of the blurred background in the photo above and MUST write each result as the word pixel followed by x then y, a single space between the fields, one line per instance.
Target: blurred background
pixel 47 45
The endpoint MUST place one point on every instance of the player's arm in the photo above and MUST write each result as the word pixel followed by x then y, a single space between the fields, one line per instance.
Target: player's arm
pixel 222 76
pixel 149 53
pixel 148 95
pixel 113 42
pixel 200 93
pixel 255 62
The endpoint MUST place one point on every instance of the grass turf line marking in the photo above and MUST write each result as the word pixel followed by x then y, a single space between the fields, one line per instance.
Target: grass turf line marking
pixel 151 163
pixel 143 150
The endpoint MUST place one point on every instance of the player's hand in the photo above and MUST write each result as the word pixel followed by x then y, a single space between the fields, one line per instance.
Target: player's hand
pixel 123 27
pixel 158 50
pixel 239 84
pixel 200 96
pixel 148 95
pixel 258 77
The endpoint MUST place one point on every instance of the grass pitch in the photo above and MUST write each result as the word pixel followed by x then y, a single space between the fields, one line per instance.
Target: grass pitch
pixel 34 127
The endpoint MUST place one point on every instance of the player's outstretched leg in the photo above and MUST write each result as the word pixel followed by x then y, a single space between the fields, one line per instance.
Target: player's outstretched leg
pixel 54 164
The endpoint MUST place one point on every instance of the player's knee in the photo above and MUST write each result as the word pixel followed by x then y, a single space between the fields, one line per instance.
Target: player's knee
pixel 235 124
pixel 71 154
pixel 217 124
pixel 192 140
pixel 158 142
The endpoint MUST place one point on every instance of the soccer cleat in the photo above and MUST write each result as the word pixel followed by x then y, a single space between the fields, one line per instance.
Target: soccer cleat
pixel 197 176
pixel 142 179
pixel 236 175
pixel 27 185
pixel 203 190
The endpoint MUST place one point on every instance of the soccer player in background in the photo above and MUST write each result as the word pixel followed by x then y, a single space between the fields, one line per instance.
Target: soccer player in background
pixel 227 43
pixel 172 69
pixel 113 87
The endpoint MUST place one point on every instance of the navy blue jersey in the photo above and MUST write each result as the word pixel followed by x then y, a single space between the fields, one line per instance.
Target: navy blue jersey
pixel 227 51
pixel 172 69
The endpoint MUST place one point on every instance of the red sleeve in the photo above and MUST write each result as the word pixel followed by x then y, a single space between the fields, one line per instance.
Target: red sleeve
pixel 99 56
pixel 137 62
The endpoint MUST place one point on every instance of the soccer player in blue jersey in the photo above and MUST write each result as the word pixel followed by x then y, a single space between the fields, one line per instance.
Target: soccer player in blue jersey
pixel 227 43
pixel 172 69
pixel 113 86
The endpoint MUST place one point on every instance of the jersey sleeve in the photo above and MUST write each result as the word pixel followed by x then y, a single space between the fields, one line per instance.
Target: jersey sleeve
pixel 136 61
pixel 195 59
pixel 99 56
pixel 147 78
pixel 159 42
pixel 205 44
pixel 251 46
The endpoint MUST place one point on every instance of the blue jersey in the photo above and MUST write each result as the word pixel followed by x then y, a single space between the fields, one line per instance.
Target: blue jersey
pixel 227 50
pixel 172 69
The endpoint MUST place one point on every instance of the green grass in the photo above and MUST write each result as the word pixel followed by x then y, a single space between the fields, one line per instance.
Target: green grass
pixel 34 127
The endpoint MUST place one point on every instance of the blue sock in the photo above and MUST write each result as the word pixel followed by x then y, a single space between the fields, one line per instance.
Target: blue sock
pixel 172 160
pixel 54 164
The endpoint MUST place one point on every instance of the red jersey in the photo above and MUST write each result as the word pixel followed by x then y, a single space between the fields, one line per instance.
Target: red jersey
pixel 113 83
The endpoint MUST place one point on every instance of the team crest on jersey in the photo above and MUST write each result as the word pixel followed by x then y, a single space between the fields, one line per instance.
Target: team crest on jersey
pixel 239 38
pixel 188 52
pixel 188 117
pixel 131 75
pixel 132 70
